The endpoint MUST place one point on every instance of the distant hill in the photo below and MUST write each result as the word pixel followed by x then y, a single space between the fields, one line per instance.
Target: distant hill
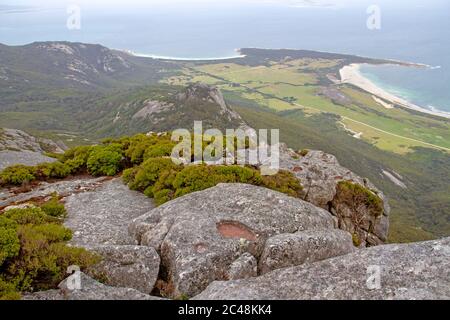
pixel 49 85
pixel 161 109
pixel 73 65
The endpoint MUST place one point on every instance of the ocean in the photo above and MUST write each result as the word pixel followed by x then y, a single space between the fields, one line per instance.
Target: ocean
pixel 416 31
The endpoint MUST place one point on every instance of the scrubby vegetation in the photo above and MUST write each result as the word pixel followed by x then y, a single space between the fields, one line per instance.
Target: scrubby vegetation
pixel 102 160
pixel 355 195
pixel 54 208
pixel 159 178
pixel 33 251
pixel 105 161
pixel 17 175
pixel 164 181
pixel 303 152
pixel 148 168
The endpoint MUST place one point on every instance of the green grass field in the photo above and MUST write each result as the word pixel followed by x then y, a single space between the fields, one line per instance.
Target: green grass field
pixel 297 84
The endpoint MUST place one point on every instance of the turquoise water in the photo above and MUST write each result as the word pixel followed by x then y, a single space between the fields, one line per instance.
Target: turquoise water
pixel 425 87
pixel 417 31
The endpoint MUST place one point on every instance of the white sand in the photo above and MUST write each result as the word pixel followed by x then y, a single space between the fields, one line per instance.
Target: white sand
pixel 383 103
pixel 350 74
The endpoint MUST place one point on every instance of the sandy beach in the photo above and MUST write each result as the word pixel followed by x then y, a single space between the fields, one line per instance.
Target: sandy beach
pixel 351 74
pixel 158 57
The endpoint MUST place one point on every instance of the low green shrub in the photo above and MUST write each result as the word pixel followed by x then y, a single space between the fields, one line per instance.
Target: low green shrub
pixel 200 177
pixel 9 241
pixel 76 158
pixel 81 152
pixel 354 195
pixel 8 291
pixel 356 240
pixel 35 216
pixel 142 147
pixel 285 182
pixel 53 208
pixel 303 152
pixel 17 175
pixel 163 190
pixel 161 179
pixel 34 255
pixel 128 175
pixel 53 170
pixel 163 149
pixel 149 172
pixel 104 161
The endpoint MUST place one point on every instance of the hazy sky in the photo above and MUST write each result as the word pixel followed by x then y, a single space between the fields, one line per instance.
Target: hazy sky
pixel 189 5
pixel 147 3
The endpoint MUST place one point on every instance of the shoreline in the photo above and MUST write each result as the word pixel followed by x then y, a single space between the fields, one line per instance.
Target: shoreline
pixel 158 57
pixel 240 55
pixel 351 74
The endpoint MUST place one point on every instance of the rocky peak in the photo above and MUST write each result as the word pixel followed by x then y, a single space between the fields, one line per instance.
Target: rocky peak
pixel 212 94
pixel 197 102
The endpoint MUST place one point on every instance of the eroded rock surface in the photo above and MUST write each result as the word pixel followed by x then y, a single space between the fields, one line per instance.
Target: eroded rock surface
pixel 410 271
pixel 200 235
pixel 90 290
pixel 99 211
pixel 287 250
pixel 29 158
pixel 18 147
pixel 320 173
pixel 101 216
pixel 133 267
pixel 63 188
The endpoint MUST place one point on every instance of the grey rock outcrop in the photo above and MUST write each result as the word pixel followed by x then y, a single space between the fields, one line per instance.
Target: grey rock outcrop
pixel 200 235
pixel 44 189
pixel 151 108
pixel 18 147
pixel 410 271
pixel 5 194
pixel 101 216
pixel 27 158
pixel 90 290
pixel 17 140
pixel 320 173
pixel 133 267
pixel 99 220
pixel 287 250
